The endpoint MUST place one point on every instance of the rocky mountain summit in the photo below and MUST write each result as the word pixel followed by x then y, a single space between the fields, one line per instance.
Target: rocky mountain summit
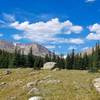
pixel 37 50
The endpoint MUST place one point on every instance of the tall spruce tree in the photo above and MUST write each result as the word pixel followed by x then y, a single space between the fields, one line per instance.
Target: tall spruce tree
pixel 30 58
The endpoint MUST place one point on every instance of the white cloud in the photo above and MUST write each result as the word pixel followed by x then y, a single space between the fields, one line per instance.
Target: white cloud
pixel 95 28
pixel 46 31
pixel 76 41
pixel 92 36
pixel 50 46
pixel 94 32
pixel 87 1
pixel 17 37
pixel 76 29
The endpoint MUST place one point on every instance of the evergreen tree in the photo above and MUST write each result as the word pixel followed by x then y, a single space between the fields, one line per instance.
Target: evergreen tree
pixel 30 58
pixel 72 58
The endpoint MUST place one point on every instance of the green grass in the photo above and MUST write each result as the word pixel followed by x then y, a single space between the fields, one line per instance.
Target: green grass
pixel 75 84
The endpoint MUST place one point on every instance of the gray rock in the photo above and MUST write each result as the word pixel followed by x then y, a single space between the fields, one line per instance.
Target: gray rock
pixel 56 69
pixel 34 73
pixel 49 80
pixel 34 91
pixel 36 98
pixel 96 84
pixel 6 72
pixel 13 98
pixel 30 85
pixel 2 83
pixel 49 65
pixel 47 77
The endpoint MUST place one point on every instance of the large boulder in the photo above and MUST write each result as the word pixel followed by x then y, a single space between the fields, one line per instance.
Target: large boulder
pixel 49 65
pixel 36 98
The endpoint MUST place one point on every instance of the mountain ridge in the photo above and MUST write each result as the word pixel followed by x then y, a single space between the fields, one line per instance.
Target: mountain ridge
pixel 37 49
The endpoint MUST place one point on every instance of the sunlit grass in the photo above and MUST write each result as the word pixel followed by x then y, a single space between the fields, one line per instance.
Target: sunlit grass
pixel 75 85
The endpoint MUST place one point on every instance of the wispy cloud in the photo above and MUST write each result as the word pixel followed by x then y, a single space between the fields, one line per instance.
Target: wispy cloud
pixel 50 46
pixel 8 17
pixel 17 37
pixel 90 1
pixel 1 34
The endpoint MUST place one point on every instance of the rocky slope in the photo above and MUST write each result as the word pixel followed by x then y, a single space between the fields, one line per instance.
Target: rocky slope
pixel 38 50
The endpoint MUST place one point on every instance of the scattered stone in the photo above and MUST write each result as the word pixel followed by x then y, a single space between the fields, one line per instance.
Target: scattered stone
pixel 47 77
pixel 34 72
pixel 49 81
pixel 13 98
pixel 53 81
pixel 34 91
pixel 6 72
pixel 30 85
pixel 36 98
pixel 96 84
pixel 49 65
pixel 2 83
pixel 56 69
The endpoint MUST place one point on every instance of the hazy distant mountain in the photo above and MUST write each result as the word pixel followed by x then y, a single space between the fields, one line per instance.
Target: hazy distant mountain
pixel 38 50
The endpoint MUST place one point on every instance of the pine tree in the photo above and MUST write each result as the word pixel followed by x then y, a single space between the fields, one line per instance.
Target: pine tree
pixel 85 62
pixel 97 64
pixel 68 66
pixel 47 58
pixel 72 58
pixel 30 58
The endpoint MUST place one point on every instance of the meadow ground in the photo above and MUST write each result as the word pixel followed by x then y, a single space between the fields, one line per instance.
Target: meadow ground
pixel 75 84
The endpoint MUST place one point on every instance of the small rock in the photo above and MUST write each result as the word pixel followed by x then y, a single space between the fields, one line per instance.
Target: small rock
pixel 13 98
pixel 30 85
pixel 6 72
pixel 47 77
pixel 96 84
pixel 56 69
pixel 34 91
pixel 33 73
pixel 53 81
pixel 36 98
pixel 2 83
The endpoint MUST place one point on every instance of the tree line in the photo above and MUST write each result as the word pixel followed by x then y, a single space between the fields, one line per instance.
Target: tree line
pixel 80 61
pixel 84 61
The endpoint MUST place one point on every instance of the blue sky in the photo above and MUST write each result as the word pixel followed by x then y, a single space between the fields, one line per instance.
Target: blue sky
pixel 59 25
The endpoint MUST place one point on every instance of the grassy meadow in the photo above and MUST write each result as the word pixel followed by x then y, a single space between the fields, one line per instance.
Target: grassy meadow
pixel 75 84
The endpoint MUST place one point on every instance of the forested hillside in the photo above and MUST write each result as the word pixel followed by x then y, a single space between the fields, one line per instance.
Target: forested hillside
pixel 72 61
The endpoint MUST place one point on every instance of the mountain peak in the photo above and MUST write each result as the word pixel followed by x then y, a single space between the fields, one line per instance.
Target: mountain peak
pixel 37 49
